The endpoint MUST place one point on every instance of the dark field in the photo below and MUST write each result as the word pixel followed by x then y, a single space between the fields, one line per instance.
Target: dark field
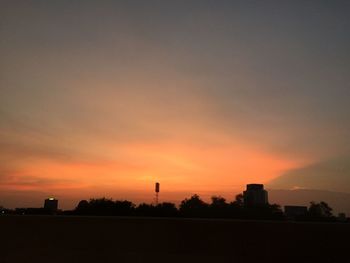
pixel 117 239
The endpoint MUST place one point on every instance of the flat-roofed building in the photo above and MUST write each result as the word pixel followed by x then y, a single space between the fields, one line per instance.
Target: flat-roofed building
pixel 255 195
pixel 51 204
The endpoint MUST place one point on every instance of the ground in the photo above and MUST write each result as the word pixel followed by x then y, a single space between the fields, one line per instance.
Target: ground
pixel 52 239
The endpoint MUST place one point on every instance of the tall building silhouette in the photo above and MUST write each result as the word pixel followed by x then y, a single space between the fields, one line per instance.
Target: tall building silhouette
pixel 255 195
pixel 51 204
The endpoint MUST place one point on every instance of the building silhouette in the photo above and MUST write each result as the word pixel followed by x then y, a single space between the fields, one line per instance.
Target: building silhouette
pixel 255 195
pixel 51 204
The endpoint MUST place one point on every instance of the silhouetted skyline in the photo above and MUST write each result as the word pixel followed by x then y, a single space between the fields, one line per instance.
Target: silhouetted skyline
pixel 253 204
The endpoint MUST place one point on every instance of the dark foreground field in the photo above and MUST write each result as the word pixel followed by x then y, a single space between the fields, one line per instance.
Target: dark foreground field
pixel 52 239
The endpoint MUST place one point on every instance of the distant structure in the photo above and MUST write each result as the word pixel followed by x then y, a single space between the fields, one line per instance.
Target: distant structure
pixel 294 212
pixel 51 204
pixel 255 195
pixel 342 217
pixel 157 188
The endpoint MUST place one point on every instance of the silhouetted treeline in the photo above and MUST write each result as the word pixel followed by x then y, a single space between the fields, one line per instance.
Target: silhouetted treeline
pixel 318 212
pixel 30 211
pixel 220 208
pixel 107 207
pixel 193 207
pixel 104 206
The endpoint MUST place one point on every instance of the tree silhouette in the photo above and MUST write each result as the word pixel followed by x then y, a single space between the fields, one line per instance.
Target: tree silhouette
pixel 145 210
pixel 320 210
pixel 124 208
pixel 235 208
pixel 276 211
pixel 82 208
pixel 239 200
pixel 166 209
pixel 104 206
pixel 194 207
pixel 219 207
pixel 101 206
pixel 218 202
pixel 269 211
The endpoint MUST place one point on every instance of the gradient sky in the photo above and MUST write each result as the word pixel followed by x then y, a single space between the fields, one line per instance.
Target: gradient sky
pixel 104 98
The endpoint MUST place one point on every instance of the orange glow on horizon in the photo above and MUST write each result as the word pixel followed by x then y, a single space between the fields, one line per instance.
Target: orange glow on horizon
pixel 178 167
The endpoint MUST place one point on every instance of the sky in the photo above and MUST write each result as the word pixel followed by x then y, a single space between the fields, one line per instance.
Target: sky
pixel 105 98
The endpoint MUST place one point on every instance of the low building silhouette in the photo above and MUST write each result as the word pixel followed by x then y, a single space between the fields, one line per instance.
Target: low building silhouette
pixel 255 195
pixel 295 212
pixel 51 204
pixel 342 217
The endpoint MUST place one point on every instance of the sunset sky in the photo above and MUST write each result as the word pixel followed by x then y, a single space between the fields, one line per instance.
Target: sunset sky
pixel 104 98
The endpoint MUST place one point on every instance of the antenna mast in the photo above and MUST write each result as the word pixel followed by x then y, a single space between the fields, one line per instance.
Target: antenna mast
pixel 157 192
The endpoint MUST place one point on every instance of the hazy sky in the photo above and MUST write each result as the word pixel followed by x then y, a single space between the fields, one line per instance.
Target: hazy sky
pixel 104 98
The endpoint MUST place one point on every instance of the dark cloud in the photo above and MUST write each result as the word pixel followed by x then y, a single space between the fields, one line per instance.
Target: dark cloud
pixel 332 175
